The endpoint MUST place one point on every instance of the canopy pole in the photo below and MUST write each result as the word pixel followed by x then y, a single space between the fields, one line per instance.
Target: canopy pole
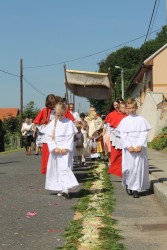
pixel 74 100
pixel 66 84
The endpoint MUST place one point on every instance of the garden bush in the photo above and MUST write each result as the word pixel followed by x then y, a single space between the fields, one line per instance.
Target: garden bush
pixel 160 141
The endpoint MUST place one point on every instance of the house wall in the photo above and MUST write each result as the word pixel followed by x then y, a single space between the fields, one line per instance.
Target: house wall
pixel 150 92
pixel 157 117
pixel 159 73
pixel 140 89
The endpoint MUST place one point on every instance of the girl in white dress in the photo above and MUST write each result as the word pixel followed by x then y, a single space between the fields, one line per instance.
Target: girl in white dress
pixel 60 139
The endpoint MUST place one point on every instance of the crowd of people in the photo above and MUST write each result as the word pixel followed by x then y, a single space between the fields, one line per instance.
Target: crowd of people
pixel 66 139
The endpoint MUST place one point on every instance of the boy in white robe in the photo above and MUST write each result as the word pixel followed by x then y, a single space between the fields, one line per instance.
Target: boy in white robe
pixel 60 139
pixel 134 131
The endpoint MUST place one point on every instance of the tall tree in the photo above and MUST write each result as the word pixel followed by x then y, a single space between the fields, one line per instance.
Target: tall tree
pixel 130 59
pixel 30 110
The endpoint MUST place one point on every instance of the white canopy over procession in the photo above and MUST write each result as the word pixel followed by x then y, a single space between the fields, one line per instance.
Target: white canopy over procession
pixel 91 85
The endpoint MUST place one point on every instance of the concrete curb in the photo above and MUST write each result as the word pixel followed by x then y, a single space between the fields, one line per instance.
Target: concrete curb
pixel 159 188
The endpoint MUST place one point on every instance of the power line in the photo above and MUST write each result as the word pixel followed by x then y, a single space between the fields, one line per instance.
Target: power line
pixel 64 62
pixel 93 54
pixel 150 21
pixel 154 17
pixel 6 72
pixel 33 87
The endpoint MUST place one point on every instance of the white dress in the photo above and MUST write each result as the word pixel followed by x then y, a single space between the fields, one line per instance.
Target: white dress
pixel 75 115
pixel 43 127
pixel 106 138
pixel 86 141
pixel 38 139
pixel 135 173
pixel 59 176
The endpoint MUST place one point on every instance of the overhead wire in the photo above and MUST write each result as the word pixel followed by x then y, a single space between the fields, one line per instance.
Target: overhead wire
pixel 76 59
pixel 6 72
pixel 151 27
pixel 64 62
pixel 32 86
pixel 150 21
pixel 93 54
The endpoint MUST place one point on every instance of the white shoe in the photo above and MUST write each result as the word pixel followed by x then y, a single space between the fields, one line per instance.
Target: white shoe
pixel 59 194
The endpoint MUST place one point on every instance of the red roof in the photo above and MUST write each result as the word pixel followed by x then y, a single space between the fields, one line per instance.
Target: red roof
pixel 7 112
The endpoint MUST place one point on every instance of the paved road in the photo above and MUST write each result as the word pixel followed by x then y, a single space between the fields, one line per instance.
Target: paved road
pixel 143 221
pixel 21 191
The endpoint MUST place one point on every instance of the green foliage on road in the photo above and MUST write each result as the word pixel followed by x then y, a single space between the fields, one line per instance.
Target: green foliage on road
pixel 94 205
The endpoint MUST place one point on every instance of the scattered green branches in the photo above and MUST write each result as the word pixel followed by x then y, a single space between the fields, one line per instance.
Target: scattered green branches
pixel 109 235
pixel 93 226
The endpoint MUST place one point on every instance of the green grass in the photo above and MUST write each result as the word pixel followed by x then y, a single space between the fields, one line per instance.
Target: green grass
pixel 11 151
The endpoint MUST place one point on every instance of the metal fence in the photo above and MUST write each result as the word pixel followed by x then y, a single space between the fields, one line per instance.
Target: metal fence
pixel 12 142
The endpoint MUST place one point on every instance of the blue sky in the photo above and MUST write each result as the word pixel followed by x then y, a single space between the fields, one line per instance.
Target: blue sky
pixel 52 32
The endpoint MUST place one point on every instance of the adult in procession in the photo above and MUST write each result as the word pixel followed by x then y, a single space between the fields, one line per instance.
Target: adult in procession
pixel 60 139
pixel 27 131
pixel 113 119
pixel 42 120
pixel 134 132
pixel 95 125
pixel 74 113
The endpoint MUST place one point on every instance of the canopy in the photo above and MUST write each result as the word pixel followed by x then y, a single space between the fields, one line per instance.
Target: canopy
pixel 91 85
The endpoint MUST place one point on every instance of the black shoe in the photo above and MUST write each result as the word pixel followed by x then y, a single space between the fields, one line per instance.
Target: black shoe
pixel 66 195
pixel 135 194
pixel 129 191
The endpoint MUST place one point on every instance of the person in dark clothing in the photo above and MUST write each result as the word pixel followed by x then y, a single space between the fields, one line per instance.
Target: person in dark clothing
pixel 2 134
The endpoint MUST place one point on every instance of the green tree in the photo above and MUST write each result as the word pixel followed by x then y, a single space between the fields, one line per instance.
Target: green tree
pixel 130 59
pixel 30 110
pixel 150 47
pixel 11 124
pixel 100 106
pixel 126 58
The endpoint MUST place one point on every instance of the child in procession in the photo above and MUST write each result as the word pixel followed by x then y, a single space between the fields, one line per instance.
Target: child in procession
pixel 78 145
pixel 60 139
pixel 134 132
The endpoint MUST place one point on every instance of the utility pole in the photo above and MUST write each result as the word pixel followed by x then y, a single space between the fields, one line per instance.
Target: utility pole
pixel 21 99
pixel 122 82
